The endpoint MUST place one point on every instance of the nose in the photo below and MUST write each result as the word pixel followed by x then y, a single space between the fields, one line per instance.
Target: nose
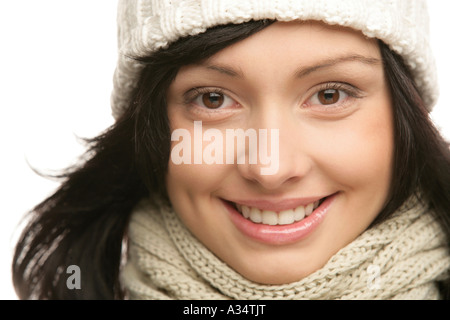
pixel 281 160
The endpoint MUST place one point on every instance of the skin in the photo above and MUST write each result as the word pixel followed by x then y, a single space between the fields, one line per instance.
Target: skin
pixel 271 80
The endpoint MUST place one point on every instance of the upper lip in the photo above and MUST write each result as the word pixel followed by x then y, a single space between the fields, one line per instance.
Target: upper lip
pixel 277 205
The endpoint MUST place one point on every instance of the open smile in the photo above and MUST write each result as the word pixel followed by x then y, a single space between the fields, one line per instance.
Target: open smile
pixel 279 223
pixel 283 217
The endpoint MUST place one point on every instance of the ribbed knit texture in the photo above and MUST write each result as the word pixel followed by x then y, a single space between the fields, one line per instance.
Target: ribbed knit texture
pixel 145 26
pixel 167 262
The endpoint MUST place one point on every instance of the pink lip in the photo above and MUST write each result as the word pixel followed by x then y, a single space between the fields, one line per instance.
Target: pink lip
pixel 281 234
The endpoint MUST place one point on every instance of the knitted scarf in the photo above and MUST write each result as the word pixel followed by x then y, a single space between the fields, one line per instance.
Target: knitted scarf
pixel 401 258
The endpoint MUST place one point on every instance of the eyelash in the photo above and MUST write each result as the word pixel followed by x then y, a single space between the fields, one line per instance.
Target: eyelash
pixel 350 90
pixel 195 93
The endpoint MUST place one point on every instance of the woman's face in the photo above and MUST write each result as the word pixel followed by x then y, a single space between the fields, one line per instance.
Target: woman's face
pixel 311 98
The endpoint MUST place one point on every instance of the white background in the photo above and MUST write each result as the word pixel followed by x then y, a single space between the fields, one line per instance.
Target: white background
pixel 57 59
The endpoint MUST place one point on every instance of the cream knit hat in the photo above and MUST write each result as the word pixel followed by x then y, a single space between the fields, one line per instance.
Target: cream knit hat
pixel 148 25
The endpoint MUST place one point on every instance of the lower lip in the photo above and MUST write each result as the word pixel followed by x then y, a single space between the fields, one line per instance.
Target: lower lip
pixel 281 234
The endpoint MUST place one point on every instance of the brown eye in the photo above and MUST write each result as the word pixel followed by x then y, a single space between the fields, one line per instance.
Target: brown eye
pixel 329 96
pixel 213 100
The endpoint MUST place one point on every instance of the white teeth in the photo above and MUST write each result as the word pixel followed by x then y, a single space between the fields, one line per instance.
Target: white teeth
pixel 286 217
pixel 255 215
pixel 245 211
pixel 309 209
pixel 269 217
pixel 316 205
pixel 299 213
pixel 273 218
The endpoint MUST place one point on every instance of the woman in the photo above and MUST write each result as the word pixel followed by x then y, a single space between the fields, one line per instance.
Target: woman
pixel 261 150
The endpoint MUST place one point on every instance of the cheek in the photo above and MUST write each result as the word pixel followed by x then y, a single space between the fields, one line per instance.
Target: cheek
pixel 358 154
pixel 191 189
pixel 194 178
pixel 185 176
pixel 191 181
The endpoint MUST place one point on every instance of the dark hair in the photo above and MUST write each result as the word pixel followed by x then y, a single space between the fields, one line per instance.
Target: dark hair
pixel 421 155
pixel 84 222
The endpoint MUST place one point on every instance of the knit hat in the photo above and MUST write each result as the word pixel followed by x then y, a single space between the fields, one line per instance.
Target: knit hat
pixel 145 26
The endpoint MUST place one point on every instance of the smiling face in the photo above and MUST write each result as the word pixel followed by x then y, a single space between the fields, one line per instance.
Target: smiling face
pixel 322 90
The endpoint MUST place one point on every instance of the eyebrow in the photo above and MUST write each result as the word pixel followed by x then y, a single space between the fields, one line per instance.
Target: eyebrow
pixel 302 71
pixel 229 71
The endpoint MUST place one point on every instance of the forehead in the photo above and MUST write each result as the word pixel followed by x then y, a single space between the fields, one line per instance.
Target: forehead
pixel 288 43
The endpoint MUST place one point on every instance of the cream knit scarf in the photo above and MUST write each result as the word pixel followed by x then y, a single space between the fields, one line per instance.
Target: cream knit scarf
pixel 402 258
